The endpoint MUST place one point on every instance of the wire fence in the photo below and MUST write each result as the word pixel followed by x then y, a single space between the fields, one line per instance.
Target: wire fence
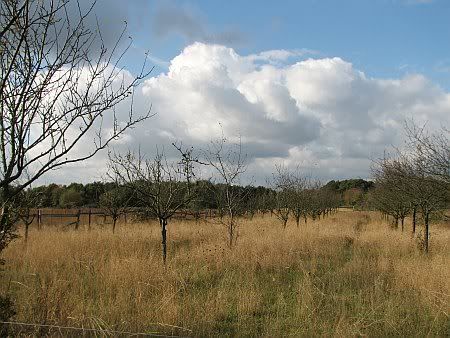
pixel 21 328
pixel 96 216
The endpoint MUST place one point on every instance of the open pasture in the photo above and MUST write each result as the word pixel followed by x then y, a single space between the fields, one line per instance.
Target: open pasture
pixel 346 275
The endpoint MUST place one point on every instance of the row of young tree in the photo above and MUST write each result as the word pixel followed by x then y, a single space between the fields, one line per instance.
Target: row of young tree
pixel 299 197
pixel 415 182
pixel 159 188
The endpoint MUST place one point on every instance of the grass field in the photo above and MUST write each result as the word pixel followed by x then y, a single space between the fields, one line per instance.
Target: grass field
pixel 348 275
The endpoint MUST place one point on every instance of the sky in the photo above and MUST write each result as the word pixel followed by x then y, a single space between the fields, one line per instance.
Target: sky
pixel 325 85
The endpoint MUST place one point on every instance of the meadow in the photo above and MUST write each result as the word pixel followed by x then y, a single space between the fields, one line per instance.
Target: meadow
pixel 346 275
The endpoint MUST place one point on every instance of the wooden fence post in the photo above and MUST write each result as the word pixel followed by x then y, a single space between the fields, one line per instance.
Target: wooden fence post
pixel 89 218
pixel 39 219
pixel 77 224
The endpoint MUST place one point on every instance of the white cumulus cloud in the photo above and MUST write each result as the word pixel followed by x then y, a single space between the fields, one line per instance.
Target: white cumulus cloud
pixel 321 113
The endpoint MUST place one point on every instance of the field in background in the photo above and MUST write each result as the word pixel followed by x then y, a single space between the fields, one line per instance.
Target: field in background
pixel 347 275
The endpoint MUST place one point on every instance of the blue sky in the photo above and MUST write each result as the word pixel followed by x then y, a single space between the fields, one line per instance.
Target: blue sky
pixel 325 85
pixel 384 38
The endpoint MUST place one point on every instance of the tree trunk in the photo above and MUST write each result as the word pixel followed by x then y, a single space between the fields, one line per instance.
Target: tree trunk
pixel 27 226
pixel 297 220
pixel 163 223
pixel 231 232
pixel 114 224
pixel 6 223
pixel 39 217
pixel 403 222
pixel 414 221
pixel 426 219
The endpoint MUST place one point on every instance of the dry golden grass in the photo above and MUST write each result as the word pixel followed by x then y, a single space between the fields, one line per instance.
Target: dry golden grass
pixel 347 275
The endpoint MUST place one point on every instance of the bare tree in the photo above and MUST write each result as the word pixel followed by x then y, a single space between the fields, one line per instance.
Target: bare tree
pixel 115 203
pixel 264 202
pixel 433 149
pixel 417 178
pixel 55 93
pixel 314 199
pixel 391 195
pixel 27 200
pixel 250 202
pixel 299 200
pixel 427 164
pixel 229 163
pixel 428 193
pixel 431 197
pixel 282 182
pixel 160 187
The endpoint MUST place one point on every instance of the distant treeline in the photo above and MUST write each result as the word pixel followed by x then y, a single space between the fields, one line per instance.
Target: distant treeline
pixel 343 186
pixel 351 192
